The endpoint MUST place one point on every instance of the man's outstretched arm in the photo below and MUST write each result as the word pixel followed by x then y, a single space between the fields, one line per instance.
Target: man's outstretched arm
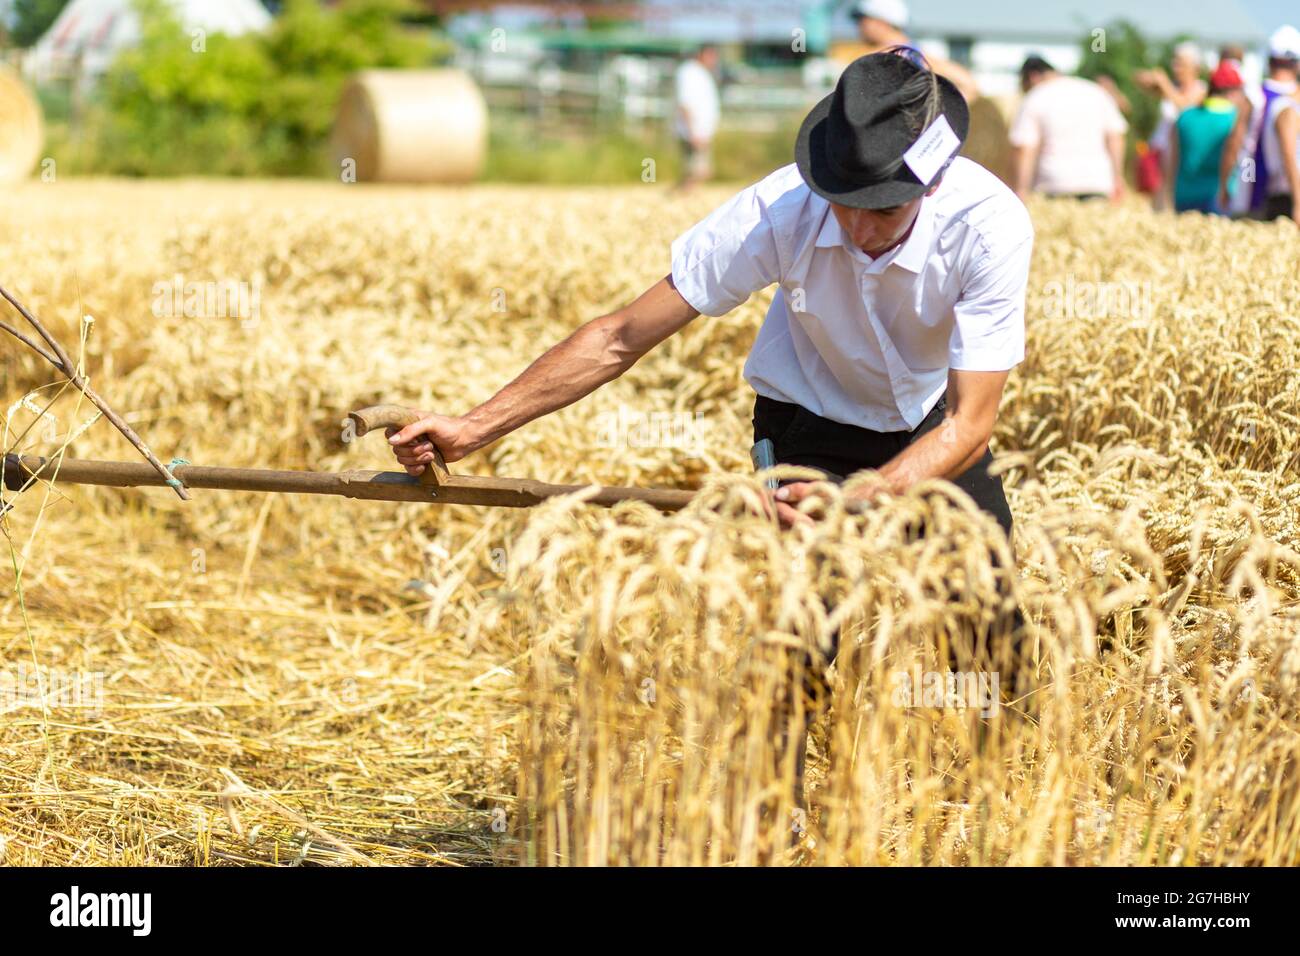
pixel 952 448
pixel 943 452
pixel 598 352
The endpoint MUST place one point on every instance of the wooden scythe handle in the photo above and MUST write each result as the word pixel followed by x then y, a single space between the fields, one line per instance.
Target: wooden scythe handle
pixel 399 416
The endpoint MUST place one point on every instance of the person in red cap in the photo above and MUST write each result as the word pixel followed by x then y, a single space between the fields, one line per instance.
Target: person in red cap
pixel 1196 145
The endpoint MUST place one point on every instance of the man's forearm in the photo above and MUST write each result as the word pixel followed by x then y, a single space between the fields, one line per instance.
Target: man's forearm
pixel 944 452
pixel 573 369
pixel 599 351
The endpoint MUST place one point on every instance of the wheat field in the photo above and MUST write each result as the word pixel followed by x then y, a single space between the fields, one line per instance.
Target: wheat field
pixel 305 681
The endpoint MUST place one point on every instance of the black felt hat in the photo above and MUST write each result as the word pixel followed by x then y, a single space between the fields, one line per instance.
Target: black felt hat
pixel 850 147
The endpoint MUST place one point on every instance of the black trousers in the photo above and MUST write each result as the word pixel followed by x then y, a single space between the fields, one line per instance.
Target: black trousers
pixel 839 450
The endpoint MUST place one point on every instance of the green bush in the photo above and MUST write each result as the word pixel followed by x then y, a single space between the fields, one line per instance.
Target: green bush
pixel 31 18
pixel 1127 52
pixel 258 104
pixel 264 105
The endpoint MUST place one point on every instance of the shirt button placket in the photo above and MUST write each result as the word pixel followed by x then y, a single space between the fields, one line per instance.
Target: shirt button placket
pixel 899 374
pixel 868 288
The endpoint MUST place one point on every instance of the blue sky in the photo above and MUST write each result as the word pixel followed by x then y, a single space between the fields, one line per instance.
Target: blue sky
pixel 1273 13
pixel 1268 13
pixel 724 19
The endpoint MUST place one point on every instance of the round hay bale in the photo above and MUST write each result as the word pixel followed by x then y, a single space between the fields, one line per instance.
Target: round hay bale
pixel 22 131
pixel 412 126
pixel 989 139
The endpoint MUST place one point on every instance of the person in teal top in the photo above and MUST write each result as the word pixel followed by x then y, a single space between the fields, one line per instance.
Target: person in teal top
pixel 1197 141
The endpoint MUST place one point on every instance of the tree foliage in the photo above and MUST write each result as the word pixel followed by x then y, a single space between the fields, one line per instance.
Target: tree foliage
pixel 181 103
pixel 31 18
pixel 1121 51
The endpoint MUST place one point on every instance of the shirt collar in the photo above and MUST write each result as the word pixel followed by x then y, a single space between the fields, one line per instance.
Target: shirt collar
pixel 831 234
pixel 911 255
pixel 917 247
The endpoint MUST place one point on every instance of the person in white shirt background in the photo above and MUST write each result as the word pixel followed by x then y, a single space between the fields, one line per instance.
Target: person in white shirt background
pixel 1068 138
pixel 899 313
pixel 698 112
pixel 1248 152
pixel 1280 138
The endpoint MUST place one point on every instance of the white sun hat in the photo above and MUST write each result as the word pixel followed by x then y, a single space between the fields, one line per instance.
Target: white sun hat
pixel 893 12
pixel 1284 44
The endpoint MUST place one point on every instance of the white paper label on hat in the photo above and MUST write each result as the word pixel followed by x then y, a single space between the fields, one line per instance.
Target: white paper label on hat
pixel 931 150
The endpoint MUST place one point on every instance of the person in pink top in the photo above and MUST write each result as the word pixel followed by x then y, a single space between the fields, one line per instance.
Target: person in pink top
pixel 1068 138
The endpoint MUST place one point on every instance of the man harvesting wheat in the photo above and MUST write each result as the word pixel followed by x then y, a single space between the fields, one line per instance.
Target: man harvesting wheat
pixel 902 272
pixel 900 307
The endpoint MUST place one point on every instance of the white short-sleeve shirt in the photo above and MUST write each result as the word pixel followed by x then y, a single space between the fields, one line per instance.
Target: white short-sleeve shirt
pixel 861 341
pixel 1067 118
pixel 1279 184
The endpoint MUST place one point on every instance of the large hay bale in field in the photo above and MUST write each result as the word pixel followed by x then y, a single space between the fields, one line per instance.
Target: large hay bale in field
pixel 22 132
pixel 412 126
pixel 989 142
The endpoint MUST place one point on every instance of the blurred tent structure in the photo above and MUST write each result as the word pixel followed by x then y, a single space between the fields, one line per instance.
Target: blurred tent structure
pixel 89 34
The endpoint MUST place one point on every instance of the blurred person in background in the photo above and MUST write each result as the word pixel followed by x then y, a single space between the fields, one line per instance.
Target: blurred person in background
pixel 1196 145
pixel 1182 91
pixel 1234 55
pixel 1107 83
pixel 1280 142
pixel 882 24
pixel 698 112
pixel 1068 138
pixel 1244 161
pixel 1179 89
